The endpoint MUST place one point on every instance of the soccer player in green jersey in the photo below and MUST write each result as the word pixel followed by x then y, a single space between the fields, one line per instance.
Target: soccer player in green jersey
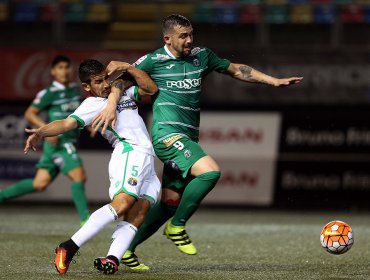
pixel 60 99
pixel 189 173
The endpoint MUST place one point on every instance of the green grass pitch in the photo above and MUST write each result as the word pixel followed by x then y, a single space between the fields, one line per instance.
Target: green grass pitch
pixel 237 244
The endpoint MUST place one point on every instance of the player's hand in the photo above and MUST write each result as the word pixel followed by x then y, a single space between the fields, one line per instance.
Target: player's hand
pixel 288 81
pixel 117 66
pixel 91 131
pixel 105 118
pixel 32 140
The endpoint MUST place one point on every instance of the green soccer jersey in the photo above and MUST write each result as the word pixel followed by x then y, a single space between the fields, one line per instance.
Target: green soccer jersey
pixel 176 105
pixel 59 102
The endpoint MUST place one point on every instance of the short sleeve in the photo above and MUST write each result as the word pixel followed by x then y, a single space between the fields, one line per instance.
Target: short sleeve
pixel 43 99
pixel 88 109
pixel 133 93
pixel 215 63
pixel 144 63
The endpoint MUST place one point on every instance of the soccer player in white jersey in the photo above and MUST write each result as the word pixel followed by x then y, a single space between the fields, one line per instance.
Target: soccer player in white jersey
pixel 134 186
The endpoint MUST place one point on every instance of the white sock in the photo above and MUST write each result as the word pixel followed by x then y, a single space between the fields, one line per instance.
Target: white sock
pixel 97 221
pixel 122 238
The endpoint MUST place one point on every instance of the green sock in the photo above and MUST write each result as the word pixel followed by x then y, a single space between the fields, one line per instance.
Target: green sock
pixel 79 198
pixel 155 218
pixel 18 189
pixel 193 195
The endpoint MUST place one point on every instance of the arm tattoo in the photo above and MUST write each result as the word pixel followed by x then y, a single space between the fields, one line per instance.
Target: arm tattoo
pixel 119 85
pixel 247 75
pixel 246 72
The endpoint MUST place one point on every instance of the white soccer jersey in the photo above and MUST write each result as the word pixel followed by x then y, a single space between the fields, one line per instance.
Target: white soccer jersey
pixel 130 128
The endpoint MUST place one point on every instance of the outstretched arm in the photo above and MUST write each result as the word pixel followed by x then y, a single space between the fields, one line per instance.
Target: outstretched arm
pixel 248 74
pixel 52 129
pixel 32 116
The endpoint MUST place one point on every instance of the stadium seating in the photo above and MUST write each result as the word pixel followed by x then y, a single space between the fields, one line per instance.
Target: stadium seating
pixel 75 12
pixel 48 13
pixel 367 14
pixel 250 14
pixel 137 12
pixel 99 12
pixel 26 12
pixel 276 14
pixel 4 12
pixel 186 9
pixel 300 14
pixel 136 25
pixel 220 11
pixel 204 13
pixel 352 14
pixel 324 14
pixel 227 13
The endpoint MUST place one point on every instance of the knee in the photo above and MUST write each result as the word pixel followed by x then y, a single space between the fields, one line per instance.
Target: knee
pixel 80 178
pixel 171 197
pixel 40 186
pixel 122 206
pixel 136 220
pixel 121 209
pixel 170 201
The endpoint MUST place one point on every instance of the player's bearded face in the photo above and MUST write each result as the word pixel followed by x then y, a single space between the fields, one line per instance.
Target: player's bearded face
pixel 180 41
pixel 99 85
pixel 62 72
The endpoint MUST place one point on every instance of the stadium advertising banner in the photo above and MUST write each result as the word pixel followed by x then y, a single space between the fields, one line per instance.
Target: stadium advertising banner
pixel 324 157
pixel 12 125
pixel 245 147
pixel 28 70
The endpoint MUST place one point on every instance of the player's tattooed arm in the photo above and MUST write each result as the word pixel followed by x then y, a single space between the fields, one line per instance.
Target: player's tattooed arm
pixel 142 79
pixel 248 74
pixel 118 85
pixel 144 82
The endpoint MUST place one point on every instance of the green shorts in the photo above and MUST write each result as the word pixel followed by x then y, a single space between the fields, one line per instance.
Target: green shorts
pixel 61 157
pixel 178 158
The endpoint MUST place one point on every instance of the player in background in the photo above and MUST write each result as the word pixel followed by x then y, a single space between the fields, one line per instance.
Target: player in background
pixel 131 168
pixel 60 99
pixel 189 173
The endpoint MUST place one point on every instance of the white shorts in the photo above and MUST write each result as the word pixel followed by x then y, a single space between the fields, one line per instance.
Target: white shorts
pixel 133 173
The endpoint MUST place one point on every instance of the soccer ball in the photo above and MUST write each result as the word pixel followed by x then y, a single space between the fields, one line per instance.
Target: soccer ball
pixel 336 237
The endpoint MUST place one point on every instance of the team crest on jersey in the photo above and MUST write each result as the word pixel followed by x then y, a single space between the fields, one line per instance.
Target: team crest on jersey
pixel 132 181
pixel 196 62
pixel 187 153
pixel 195 51
pixel 126 105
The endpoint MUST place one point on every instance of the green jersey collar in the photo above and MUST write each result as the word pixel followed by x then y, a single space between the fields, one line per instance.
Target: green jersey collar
pixel 168 52
pixel 58 85
pixel 61 86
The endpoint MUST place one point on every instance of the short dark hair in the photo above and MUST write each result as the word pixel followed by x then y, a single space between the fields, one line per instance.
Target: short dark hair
pixel 60 58
pixel 174 20
pixel 88 68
